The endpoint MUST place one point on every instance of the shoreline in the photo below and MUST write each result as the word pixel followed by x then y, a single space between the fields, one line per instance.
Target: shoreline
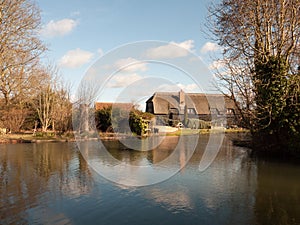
pixel 4 140
pixel 24 138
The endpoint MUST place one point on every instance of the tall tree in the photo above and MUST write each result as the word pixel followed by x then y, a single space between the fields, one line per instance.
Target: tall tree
pixel 52 100
pixel 83 107
pixel 62 107
pixel 260 41
pixel 44 100
pixel 20 48
pixel 20 45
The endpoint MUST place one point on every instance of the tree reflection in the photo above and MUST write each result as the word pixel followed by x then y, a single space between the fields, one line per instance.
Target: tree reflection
pixel 35 173
pixel 278 193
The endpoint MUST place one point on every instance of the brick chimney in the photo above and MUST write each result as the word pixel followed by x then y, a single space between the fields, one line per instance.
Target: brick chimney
pixel 181 97
pixel 181 101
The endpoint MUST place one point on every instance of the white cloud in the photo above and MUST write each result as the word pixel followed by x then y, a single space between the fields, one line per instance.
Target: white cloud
pixel 123 80
pixel 189 44
pixel 130 65
pixel 209 47
pixel 188 88
pixel 58 28
pixel 171 50
pixel 75 58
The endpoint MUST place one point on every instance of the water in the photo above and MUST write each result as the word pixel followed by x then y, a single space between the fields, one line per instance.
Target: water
pixel 51 183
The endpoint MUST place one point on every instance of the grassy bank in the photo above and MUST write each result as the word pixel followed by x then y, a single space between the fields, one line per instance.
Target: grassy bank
pixel 30 138
pixel 69 137
pixel 204 131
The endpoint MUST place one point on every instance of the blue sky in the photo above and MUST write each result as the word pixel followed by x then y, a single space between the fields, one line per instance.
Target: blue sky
pixel 78 33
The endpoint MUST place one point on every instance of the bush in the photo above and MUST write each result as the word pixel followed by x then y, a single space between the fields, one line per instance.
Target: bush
pixel 138 121
pixel 103 119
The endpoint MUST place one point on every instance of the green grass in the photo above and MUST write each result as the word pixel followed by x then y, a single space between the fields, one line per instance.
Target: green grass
pixel 183 132
pixel 203 131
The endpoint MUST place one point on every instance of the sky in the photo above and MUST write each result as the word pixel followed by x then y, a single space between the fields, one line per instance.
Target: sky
pixel 130 43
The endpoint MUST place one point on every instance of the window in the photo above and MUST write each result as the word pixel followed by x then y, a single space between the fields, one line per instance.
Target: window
pixel 191 111
pixel 229 111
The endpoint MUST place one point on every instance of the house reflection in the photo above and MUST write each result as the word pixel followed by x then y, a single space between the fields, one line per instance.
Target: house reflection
pixel 231 172
pixel 183 150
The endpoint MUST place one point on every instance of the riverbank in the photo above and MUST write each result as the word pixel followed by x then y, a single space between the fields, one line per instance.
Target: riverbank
pixel 69 137
pixel 30 138
pixel 186 131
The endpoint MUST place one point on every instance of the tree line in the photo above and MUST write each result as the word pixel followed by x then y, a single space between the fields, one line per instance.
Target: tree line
pixel 32 94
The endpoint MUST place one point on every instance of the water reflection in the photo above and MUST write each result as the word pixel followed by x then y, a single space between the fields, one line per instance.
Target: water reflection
pixel 172 200
pixel 278 193
pixel 121 165
pixel 157 155
pixel 51 183
pixel 224 192
pixel 32 175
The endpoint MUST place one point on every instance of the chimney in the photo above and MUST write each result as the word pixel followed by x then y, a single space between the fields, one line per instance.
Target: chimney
pixel 181 97
pixel 181 102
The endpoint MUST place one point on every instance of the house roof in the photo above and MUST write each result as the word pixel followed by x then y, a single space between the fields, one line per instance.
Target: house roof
pixel 202 103
pixel 103 105
pixel 163 101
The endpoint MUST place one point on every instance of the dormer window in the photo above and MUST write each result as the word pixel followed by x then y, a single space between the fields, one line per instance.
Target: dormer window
pixel 230 111
pixel 191 111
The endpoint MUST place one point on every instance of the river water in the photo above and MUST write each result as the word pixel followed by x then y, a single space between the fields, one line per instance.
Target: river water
pixel 52 183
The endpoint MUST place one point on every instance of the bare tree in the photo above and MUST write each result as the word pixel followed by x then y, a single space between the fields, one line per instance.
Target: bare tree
pixel 252 33
pixel 20 45
pixel 20 48
pixel 43 100
pixel 62 107
pixel 52 101
pixel 261 45
pixel 15 107
pixel 83 107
